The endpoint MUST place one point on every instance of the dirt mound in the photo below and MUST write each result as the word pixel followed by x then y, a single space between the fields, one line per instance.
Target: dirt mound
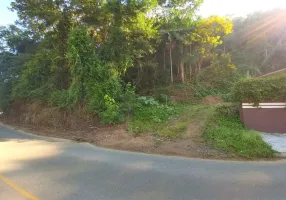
pixel 212 100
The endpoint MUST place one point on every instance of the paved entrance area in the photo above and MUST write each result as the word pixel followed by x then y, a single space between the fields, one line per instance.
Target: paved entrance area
pixel 277 141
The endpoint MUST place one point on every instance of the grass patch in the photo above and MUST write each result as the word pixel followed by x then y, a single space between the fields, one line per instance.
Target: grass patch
pixel 167 121
pixel 152 118
pixel 222 127
pixel 226 132
pixel 174 131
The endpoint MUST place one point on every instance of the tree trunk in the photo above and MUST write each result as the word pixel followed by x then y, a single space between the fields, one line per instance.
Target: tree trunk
pixel 190 64
pixel 200 65
pixel 171 64
pixel 190 72
pixel 164 60
pixel 182 68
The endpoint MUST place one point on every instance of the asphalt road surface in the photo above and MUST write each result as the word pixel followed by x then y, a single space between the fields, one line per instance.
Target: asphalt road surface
pixel 37 168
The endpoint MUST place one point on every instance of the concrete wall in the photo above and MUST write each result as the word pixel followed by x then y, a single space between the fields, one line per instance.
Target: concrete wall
pixel 267 117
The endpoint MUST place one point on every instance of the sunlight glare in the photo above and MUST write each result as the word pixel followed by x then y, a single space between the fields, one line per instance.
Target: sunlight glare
pixel 238 7
pixel 13 153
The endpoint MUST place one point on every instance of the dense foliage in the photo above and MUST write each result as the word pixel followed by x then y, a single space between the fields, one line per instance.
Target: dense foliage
pixel 257 90
pixel 96 54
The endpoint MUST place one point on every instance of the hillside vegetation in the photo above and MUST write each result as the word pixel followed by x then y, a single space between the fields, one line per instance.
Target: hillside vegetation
pixel 98 63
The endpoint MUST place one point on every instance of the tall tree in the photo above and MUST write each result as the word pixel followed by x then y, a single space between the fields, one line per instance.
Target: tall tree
pixel 207 36
pixel 16 40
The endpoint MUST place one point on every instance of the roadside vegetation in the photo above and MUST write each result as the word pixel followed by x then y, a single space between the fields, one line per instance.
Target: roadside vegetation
pixel 257 90
pixel 104 63
pixel 220 125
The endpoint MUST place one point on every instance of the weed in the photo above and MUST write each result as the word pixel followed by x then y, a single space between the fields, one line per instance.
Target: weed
pixel 128 99
pixel 150 115
pixel 174 131
pixel 111 114
pixel 169 122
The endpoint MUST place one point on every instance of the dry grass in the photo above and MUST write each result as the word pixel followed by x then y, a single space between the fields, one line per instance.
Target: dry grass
pixel 38 114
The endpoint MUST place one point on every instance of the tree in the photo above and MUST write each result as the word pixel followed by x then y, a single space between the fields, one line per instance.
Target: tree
pixel 16 47
pixel 120 35
pixel 206 37
pixel 16 40
pixel 177 20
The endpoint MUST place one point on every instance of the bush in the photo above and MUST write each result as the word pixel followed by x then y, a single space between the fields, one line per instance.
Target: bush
pixel 111 115
pixel 35 81
pixel 164 99
pixel 11 66
pixel 62 99
pixel 148 109
pixel 201 91
pixel 128 100
pixel 228 110
pixel 5 95
pixel 217 79
pixel 94 81
pixel 220 75
pixel 226 132
pixel 96 92
pixel 257 90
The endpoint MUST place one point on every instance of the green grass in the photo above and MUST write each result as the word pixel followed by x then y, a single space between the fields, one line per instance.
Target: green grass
pixel 226 132
pixel 153 119
pixel 221 126
pixel 169 122
pixel 174 131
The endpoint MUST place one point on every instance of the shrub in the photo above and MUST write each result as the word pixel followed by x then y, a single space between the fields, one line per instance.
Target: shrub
pixel 5 95
pixel 150 115
pixel 97 90
pixel 164 99
pixel 36 78
pixel 93 81
pixel 11 66
pixel 62 99
pixel 202 91
pixel 257 90
pixel 147 101
pixel 111 114
pixel 128 99
pixel 220 75
pixel 149 109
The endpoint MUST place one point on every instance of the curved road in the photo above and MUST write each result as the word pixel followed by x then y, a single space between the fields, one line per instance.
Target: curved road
pixel 33 168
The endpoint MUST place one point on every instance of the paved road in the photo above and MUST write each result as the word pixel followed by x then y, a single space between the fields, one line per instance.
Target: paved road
pixel 49 169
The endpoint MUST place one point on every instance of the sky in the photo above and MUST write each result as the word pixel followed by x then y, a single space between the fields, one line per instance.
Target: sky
pixel 238 7
pixel 210 7
pixel 6 16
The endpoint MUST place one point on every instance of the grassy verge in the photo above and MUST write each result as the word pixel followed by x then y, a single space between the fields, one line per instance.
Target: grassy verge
pixel 226 132
pixel 220 125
